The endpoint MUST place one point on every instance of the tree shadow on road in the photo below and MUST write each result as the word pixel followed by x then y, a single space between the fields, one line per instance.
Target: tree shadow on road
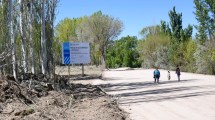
pixel 137 85
pixel 132 93
pixel 117 78
pixel 152 98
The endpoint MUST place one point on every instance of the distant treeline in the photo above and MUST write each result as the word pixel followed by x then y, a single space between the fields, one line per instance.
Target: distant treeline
pixel 169 44
pixel 165 45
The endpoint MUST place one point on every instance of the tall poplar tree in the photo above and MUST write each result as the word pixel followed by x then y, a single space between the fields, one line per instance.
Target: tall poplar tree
pixel 12 38
pixel 205 15
pixel 43 39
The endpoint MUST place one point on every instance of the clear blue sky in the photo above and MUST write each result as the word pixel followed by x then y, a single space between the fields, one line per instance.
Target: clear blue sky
pixel 135 14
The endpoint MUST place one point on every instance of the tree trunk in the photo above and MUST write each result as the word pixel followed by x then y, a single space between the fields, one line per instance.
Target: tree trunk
pixel 103 57
pixel 12 38
pixel 23 37
pixel 43 39
pixel 51 11
pixel 31 39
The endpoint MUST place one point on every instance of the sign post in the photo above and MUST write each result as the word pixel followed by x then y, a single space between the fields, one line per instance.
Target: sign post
pixel 82 70
pixel 76 53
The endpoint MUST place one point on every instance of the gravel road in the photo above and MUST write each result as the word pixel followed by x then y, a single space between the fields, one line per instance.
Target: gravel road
pixel 191 99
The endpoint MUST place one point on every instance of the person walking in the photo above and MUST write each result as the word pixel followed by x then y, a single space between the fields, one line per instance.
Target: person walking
pixel 168 75
pixel 178 72
pixel 156 75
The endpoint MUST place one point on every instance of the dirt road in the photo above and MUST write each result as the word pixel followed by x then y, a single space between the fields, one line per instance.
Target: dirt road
pixel 191 99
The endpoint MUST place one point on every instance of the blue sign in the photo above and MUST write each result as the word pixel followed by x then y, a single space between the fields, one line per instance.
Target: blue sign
pixel 66 53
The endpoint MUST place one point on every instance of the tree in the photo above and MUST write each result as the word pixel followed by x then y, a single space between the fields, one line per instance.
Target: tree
pixel 205 12
pixel 123 53
pixel 67 29
pixel 21 33
pixel 31 51
pixel 152 46
pixel 176 31
pixel 176 24
pixel 205 15
pixel 202 17
pixel 150 30
pixel 11 20
pixel 101 29
pixel 165 28
pixel 178 36
pixel 43 39
pixel 23 36
pixel 189 59
pixel 163 59
pixel 50 17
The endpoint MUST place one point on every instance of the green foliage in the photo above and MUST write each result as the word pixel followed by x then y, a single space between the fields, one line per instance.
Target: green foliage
pixel 177 33
pixel 163 58
pixel 179 37
pixel 213 55
pixel 152 49
pixel 165 28
pixel 168 45
pixel 100 29
pixel 176 24
pixel 205 12
pixel 66 29
pixel 204 56
pixel 201 16
pixel 189 59
pixel 202 60
pixel 150 30
pixel 95 54
pixel 27 34
pixel 123 53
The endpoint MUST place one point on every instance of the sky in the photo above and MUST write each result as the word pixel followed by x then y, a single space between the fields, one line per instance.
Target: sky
pixel 135 14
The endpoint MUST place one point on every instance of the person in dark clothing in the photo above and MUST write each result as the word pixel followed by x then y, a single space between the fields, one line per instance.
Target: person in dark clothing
pixel 168 75
pixel 156 75
pixel 178 72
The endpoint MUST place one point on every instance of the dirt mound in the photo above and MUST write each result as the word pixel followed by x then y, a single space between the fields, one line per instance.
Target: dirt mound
pixel 40 98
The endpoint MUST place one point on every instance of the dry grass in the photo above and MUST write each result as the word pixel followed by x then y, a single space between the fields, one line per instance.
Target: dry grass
pixel 90 70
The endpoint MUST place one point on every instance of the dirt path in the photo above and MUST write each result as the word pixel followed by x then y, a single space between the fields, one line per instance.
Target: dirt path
pixel 191 99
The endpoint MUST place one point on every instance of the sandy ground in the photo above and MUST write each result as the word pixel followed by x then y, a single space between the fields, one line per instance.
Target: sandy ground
pixel 191 99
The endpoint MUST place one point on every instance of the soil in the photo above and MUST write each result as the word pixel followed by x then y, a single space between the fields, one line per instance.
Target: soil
pixel 59 106
pixel 39 98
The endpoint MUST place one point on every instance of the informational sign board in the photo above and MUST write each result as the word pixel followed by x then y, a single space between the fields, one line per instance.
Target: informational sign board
pixel 76 53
